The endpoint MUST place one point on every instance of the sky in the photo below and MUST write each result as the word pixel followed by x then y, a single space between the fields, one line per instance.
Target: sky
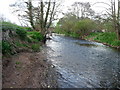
pixel 6 11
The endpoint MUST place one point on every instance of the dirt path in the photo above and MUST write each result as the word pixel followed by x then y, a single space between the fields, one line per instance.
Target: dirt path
pixel 28 70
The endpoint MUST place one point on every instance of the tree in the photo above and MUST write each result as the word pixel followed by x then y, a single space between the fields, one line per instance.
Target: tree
pixel 81 9
pixel 40 16
pixel 114 15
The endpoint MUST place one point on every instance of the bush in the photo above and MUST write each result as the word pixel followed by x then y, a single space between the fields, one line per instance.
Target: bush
pixel 107 37
pixel 28 28
pixel 71 26
pixel 6 47
pixel 8 26
pixel 21 44
pixel 21 32
pixel 35 36
pixel 35 47
pixel 84 26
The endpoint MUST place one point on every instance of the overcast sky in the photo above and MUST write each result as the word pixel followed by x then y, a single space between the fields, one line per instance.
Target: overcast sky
pixel 7 12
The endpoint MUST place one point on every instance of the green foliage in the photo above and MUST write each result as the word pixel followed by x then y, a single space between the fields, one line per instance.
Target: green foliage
pixel 18 63
pixel 28 28
pixel 34 36
pixel 21 32
pixel 71 26
pixel 21 44
pixel 8 26
pixel 6 47
pixel 35 47
pixel 66 24
pixel 91 35
pixel 107 37
pixel 116 43
pixel 108 26
pixel 84 26
pixel 75 35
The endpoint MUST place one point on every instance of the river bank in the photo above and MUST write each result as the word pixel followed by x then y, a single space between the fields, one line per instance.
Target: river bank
pixel 107 38
pixel 28 70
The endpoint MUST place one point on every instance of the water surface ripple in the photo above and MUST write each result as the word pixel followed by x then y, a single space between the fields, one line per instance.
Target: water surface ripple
pixel 84 64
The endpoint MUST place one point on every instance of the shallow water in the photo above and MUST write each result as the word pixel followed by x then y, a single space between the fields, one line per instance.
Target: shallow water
pixel 84 64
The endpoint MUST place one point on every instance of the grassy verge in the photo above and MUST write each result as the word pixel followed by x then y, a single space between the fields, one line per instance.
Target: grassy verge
pixel 108 38
pixel 17 38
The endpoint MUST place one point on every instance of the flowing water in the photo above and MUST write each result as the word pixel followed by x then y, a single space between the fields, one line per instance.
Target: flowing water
pixel 84 64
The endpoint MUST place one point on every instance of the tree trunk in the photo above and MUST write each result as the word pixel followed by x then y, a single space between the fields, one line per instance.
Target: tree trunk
pixel 118 24
pixel 47 13
pixel 118 31
pixel 30 13
pixel 42 19
pixel 51 15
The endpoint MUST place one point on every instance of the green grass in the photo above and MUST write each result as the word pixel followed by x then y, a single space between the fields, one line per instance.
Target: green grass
pixel 35 47
pixel 34 36
pixel 24 37
pixel 21 44
pixel 17 62
pixel 107 37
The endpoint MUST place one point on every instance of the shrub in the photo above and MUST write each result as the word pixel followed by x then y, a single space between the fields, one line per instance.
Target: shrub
pixel 36 36
pixel 21 32
pixel 8 26
pixel 71 26
pixel 6 47
pixel 21 44
pixel 28 28
pixel 84 26
pixel 35 47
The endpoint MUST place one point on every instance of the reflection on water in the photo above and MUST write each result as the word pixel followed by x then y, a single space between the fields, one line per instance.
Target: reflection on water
pixel 84 64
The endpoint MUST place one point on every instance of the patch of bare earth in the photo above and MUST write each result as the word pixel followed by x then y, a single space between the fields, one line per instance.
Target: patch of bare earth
pixel 28 70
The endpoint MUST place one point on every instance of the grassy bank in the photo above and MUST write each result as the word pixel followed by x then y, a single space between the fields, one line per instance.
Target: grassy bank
pixel 17 38
pixel 108 38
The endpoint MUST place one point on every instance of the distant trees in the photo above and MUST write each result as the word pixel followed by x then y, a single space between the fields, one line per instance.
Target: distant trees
pixel 82 20
pixel 77 22
pixel 82 9
pixel 70 25
pixel 113 15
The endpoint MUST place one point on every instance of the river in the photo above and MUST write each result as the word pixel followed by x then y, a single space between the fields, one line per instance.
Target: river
pixel 84 64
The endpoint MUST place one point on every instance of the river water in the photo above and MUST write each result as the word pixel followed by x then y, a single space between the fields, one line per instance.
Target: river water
pixel 84 64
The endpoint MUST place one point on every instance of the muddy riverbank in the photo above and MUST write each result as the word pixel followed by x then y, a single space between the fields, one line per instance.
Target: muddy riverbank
pixel 28 70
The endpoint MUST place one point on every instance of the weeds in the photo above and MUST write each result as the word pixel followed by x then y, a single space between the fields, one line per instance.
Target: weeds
pixel 35 47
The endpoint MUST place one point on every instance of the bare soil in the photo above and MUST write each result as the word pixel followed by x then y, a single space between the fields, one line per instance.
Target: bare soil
pixel 28 70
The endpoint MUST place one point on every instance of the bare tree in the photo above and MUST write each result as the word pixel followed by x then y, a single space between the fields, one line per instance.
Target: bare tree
pixel 114 13
pixel 81 9
pixel 40 16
